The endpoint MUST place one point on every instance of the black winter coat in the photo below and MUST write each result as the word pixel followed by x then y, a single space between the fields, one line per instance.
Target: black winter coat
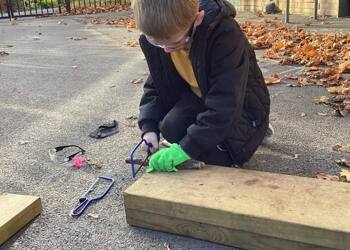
pixel 231 82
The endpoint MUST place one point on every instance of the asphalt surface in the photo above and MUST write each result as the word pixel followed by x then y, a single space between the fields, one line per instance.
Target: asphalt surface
pixel 55 90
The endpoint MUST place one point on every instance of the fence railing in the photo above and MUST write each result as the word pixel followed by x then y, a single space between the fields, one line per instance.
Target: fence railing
pixel 25 8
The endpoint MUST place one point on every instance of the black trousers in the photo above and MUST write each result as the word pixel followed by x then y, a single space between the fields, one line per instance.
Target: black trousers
pixel 174 127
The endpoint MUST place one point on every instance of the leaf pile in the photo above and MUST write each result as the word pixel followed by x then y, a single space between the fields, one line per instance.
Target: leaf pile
pixel 123 21
pixel 327 56
pixel 97 9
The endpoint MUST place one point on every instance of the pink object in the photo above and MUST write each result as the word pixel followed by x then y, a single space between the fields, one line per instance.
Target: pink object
pixel 78 161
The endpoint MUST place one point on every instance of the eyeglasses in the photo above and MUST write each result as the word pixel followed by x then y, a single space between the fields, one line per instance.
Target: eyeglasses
pixel 186 39
pixel 72 154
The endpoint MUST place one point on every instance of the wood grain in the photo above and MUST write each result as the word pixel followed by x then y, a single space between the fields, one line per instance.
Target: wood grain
pixel 304 210
pixel 211 233
pixel 15 212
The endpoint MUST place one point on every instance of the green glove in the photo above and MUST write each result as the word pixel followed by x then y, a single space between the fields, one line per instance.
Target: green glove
pixel 166 159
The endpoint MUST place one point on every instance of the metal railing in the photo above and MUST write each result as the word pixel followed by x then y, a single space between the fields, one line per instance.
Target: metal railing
pixel 24 8
pixel 287 14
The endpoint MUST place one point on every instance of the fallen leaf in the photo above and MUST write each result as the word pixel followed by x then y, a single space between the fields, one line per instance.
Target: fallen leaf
pixel 132 117
pixel 3 53
pixel 322 99
pixel 324 176
pixel 137 81
pixel 23 142
pixel 268 20
pixel 310 69
pixel 92 215
pixel 133 43
pixel 293 86
pixel 345 175
pixel 336 147
pixel 344 163
pixel 274 79
pixel 167 246
pixel 94 165
pixel 291 77
pixel 338 112
pixel 333 90
pixel 259 13
pixel 78 38
pixel 345 67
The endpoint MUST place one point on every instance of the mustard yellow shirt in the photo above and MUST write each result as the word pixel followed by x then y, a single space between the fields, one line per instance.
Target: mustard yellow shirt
pixel 183 65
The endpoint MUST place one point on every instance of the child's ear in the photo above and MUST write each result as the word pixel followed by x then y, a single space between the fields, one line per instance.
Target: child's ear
pixel 200 17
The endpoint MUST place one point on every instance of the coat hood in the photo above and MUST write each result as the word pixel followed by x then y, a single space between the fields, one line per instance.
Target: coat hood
pixel 215 11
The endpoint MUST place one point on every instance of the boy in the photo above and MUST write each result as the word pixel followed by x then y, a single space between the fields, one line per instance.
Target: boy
pixel 205 94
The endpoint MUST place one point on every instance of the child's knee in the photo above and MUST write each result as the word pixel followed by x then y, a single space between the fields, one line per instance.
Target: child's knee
pixel 171 129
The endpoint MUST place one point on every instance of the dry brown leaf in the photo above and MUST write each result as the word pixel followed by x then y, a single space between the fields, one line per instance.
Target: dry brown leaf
pixel 322 99
pixel 291 77
pixel 311 52
pixel 336 147
pixel 296 157
pixel 345 67
pixel 259 13
pixel 324 176
pixel 268 20
pixel 333 90
pixel 344 163
pixel 133 43
pixel 137 81
pixel 274 79
pixel 92 215
pixel 345 175
pixel 313 68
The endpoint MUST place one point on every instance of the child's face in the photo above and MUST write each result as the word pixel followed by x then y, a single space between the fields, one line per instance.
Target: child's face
pixel 179 41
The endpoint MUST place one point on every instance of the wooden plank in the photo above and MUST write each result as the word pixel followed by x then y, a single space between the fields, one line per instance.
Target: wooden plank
pixel 15 212
pixel 297 209
pixel 212 233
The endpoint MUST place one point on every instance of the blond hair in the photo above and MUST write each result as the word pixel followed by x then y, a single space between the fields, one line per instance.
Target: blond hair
pixel 161 19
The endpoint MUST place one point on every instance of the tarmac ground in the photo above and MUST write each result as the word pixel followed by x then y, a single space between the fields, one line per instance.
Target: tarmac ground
pixel 64 77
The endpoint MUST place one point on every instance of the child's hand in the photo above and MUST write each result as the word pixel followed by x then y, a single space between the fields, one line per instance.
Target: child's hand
pixel 166 159
pixel 152 138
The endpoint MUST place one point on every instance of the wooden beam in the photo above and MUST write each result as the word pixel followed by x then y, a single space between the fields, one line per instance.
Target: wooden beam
pixel 243 208
pixel 15 212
